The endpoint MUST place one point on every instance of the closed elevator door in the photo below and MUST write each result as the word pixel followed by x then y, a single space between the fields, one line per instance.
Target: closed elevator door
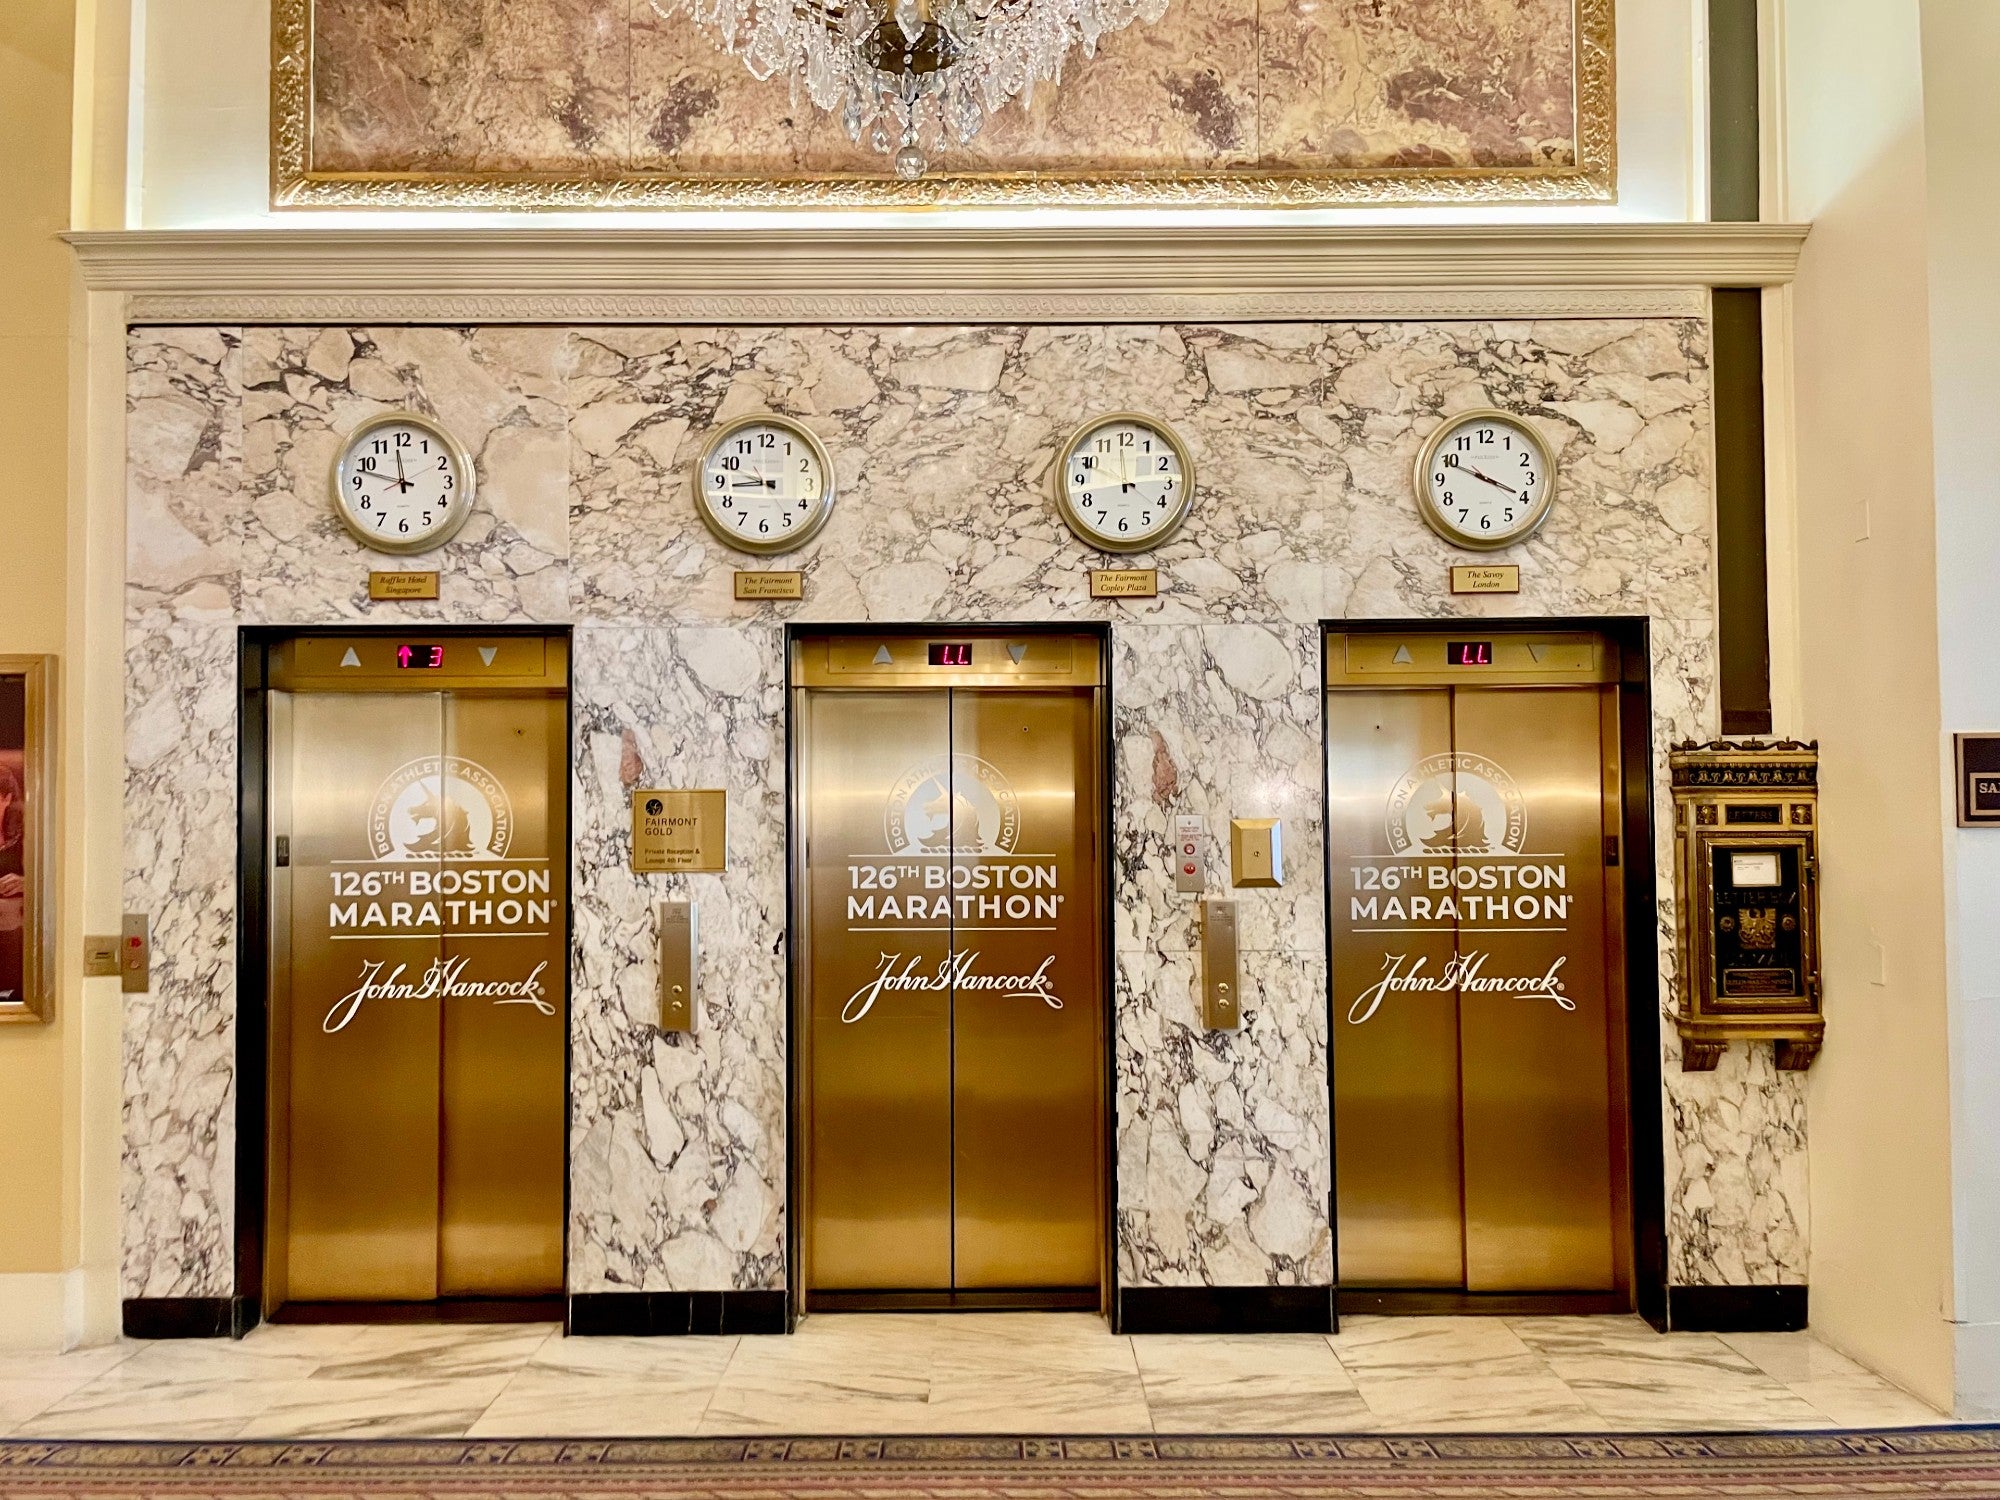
pixel 951 1062
pixel 418 838
pixel 1479 1114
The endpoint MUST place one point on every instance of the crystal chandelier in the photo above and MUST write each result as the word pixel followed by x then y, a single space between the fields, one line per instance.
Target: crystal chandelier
pixel 911 76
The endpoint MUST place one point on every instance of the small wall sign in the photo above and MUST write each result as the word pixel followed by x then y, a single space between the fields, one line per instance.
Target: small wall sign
pixel 402 585
pixel 1486 578
pixel 1978 779
pixel 679 831
pixel 1124 583
pixel 770 585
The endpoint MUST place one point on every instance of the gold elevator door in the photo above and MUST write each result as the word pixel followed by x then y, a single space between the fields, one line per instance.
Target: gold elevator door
pixel 951 1057
pixel 1473 841
pixel 417 978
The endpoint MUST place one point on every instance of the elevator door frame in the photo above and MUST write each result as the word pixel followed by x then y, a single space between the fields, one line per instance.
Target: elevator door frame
pixel 253 826
pixel 797 995
pixel 1645 1182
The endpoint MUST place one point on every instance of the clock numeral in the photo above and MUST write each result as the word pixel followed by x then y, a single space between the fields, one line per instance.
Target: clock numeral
pixel 402 440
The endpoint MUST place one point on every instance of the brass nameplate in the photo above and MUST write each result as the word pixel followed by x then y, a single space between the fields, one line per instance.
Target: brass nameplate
pixel 770 585
pixel 403 585
pixel 678 832
pixel 1124 583
pixel 1486 578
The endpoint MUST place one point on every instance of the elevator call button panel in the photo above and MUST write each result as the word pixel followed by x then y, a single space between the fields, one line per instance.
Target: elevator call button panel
pixel 1746 844
pixel 1190 854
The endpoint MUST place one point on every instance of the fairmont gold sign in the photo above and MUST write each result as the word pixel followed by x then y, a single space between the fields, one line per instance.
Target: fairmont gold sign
pixel 679 832
pixel 402 585
pixel 1124 583
pixel 1486 578
pixel 770 585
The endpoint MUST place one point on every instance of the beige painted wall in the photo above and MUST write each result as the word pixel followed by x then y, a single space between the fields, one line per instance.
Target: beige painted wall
pixel 37 1150
pixel 63 71
pixel 1864 556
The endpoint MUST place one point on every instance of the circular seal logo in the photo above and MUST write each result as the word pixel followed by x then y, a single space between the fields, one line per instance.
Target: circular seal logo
pixel 972 810
pixel 441 807
pixel 1486 816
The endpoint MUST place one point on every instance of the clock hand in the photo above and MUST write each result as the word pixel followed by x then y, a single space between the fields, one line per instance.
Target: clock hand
pixel 401 482
pixel 1479 474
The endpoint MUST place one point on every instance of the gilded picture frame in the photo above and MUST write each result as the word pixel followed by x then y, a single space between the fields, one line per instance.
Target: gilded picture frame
pixel 297 183
pixel 27 838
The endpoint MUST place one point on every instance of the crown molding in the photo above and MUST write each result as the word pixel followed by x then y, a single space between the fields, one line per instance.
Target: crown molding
pixel 930 274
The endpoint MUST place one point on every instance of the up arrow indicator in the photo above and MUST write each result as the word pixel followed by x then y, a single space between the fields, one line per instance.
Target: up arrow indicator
pixel 487 653
pixel 882 657
pixel 1017 650
pixel 351 659
pixel 1403 657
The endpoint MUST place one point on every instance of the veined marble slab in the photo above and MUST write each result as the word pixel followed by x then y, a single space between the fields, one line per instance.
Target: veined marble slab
pixel 1304 436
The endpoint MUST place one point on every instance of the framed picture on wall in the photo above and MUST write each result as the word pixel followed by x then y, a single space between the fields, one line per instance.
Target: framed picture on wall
pixel 27 808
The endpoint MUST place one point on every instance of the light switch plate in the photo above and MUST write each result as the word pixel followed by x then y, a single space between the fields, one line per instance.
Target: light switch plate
pixel 100 956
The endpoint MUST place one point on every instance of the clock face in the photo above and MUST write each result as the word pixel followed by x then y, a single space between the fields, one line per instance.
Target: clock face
pixel 402 484
pixel 1485 480
pixel 1126 483
pixel 764 484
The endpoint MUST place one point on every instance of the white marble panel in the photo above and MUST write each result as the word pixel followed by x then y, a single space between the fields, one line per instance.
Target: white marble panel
pixel 1304 436
pixel 498 390
pixel 179 1169
pixel 677 1142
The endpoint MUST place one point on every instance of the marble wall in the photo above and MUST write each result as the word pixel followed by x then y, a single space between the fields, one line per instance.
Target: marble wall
pixel 942 438
pixel 579 89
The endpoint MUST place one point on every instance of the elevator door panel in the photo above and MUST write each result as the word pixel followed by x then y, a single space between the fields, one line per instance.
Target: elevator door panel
pixel 501 1151
pixel 1395 1056
pixel 363 1077
pixel 879 811
pixel 1476 994
pixel 1025 1065
pixel 1537 1096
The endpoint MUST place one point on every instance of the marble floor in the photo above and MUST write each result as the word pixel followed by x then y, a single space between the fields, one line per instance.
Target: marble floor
pixel 1009 1372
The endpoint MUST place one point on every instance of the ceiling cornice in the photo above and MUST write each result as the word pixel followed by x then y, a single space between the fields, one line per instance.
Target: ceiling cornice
pixel 930 273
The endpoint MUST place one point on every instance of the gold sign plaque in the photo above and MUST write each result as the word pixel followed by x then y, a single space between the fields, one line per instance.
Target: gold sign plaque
pixel 1486 578
pixel 678 832
pixel 1124 583
pixel 770 585
pixel 402 585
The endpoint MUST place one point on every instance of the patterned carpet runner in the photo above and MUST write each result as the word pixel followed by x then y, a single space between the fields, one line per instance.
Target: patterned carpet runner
pixel 1962 1462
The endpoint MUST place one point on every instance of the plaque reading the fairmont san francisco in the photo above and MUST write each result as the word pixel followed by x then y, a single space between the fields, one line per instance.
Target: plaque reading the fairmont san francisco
pixel 679 832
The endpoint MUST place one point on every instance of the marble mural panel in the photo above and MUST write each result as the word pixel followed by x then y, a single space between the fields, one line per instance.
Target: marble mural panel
pixel 569 88
pixel 1304 436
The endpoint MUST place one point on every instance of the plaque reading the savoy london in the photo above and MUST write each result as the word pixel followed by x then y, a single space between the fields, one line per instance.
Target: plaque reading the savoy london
pixel 679 832
pixel 777 585
pixel 1486 578
pixel 402 585
pixel 1124 583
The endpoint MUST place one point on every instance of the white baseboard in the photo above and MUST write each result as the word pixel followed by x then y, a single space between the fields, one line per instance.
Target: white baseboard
pixel 49 1311
pixel 1978 1372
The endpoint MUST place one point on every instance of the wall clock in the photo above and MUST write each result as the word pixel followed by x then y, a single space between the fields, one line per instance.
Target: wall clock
pixel 1126 482
pixel 764 484
pixel 401 483
pixel 1485 479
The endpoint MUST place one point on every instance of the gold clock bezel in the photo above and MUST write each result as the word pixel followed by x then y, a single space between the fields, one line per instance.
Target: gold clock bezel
pixel 1088 535
pixel 456 514
pixel 1443 525
pixel 829 485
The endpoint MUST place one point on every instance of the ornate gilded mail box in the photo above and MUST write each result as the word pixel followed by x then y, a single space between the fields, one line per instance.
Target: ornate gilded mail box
pixel 1746 871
